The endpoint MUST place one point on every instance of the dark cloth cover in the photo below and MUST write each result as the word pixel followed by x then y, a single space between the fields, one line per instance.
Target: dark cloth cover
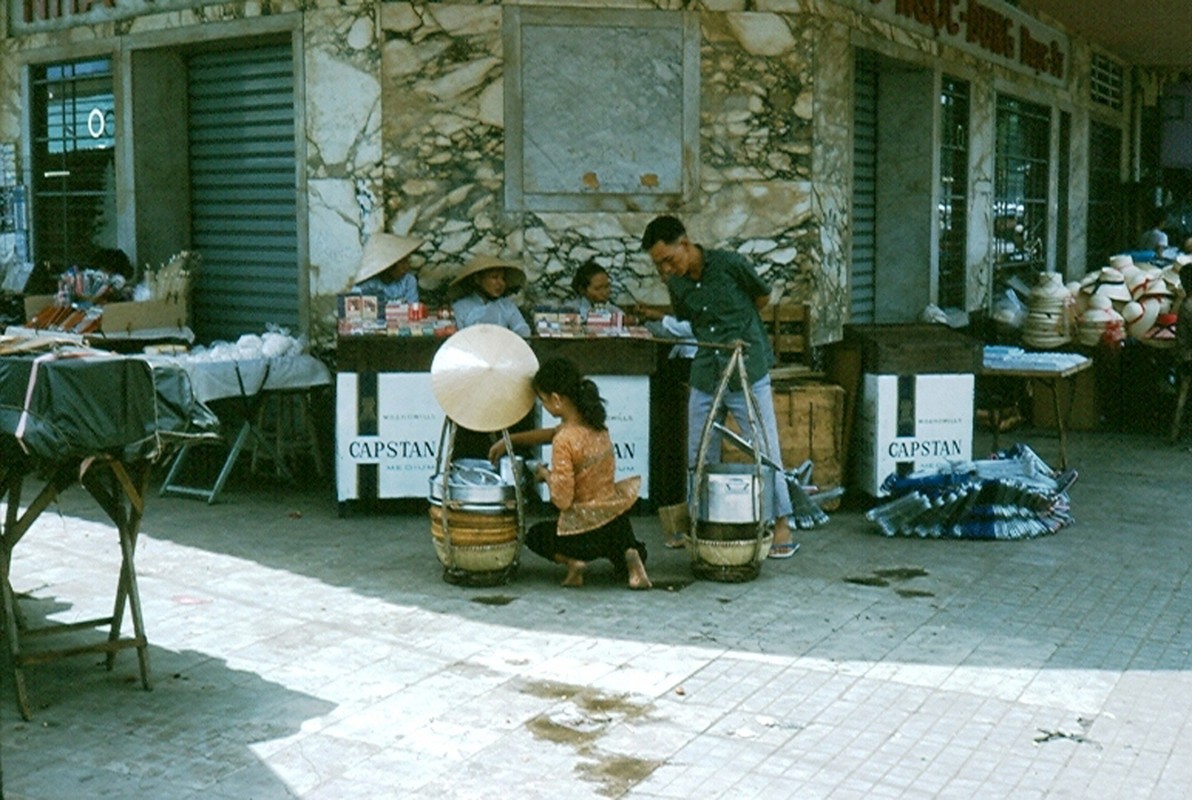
pixel 76 404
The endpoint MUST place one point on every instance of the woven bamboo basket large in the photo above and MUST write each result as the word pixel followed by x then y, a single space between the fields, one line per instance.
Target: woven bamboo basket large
pixel 487 558
pixel 470 529
pixel 481 543
pixel 723 545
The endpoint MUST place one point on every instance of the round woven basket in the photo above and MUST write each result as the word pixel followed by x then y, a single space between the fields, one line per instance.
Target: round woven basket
pixel 489 558
pixel 732 552
pixel 473 530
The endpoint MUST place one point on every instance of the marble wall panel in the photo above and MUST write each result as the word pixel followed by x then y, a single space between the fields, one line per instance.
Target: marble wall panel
pixel 404 130
pixel 982 147
pixel 344 186
pixel 832 178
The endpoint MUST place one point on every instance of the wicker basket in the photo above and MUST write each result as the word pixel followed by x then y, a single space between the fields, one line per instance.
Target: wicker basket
pixel 731 552
pixel 470 529
pixel 488 558
pixel 480 543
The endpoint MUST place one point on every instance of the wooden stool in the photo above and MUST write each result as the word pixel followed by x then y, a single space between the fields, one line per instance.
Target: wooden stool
pixel 285 421
pixel 1185 373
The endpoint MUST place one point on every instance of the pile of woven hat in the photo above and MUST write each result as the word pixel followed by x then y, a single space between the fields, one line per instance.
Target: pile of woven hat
pixel 1127 299
pixel 1049 318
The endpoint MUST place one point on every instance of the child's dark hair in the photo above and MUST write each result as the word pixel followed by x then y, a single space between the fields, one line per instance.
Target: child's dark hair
pixel 584 275
pixel 112 260
pixel 560 376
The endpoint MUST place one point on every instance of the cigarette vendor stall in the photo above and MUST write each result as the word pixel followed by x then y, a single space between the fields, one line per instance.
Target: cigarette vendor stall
pixel 71 414
pixel 388 422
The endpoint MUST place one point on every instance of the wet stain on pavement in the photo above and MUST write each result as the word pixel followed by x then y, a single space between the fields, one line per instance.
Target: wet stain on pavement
pixel 494 600
pixel 889 575
pixel 901 573
pixel 913 593
pixel 581 718
pixel 617 774
pixel 867 580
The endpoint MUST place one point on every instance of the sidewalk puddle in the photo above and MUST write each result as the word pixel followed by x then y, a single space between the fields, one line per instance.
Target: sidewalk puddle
pixel 580 721
pixel 494 599
pixel 884 577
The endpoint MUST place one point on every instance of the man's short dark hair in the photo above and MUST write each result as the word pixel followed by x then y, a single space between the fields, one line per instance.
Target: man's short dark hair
pixel 665 229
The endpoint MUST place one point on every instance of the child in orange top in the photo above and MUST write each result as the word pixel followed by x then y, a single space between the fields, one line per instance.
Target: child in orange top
pixel 593 519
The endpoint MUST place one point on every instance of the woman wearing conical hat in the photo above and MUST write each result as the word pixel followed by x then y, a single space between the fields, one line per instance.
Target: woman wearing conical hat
pixel 481 293
pixel 385 268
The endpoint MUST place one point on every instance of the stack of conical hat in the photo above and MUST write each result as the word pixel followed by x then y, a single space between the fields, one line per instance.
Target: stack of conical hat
pixel 1047 318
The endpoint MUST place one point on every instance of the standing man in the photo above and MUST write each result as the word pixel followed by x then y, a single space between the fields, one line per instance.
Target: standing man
pixel 719 292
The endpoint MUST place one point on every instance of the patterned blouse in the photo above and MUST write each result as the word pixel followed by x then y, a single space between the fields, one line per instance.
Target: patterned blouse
pixel 582 483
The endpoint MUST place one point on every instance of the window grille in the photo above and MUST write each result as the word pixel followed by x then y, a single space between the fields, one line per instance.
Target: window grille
pixel 1106 77
pixel 1021 189
pixel 954 153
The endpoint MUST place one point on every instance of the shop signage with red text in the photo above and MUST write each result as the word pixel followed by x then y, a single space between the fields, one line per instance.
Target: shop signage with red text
pixel 30 16
pixel 989 29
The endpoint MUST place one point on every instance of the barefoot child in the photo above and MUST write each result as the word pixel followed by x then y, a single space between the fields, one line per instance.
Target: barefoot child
pixel 593 519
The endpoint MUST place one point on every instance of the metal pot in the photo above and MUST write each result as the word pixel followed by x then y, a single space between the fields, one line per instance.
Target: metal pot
pixel 733 493
pixel 475 482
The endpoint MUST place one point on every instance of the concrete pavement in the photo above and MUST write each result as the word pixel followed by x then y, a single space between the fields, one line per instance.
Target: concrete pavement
pixel 298 654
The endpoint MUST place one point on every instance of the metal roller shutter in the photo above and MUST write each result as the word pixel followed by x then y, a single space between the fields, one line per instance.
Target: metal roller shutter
pixel 864 249
pixel 243 191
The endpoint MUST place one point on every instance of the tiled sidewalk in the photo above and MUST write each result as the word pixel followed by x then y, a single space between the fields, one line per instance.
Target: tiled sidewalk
pixel 297 654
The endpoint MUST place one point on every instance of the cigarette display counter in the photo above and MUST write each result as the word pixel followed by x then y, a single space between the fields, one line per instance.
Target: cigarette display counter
pixel 388 424
pixel 74 415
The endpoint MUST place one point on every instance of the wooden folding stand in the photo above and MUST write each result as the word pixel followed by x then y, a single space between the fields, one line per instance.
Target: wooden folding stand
pixel 119 489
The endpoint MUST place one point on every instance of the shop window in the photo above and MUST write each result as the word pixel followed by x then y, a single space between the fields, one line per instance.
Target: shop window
pixel 1064 192
pixel 73 141
pixel 953 228
pixel 601 109
pixel 1021 175
pixel 1106 232
pixel 1106 79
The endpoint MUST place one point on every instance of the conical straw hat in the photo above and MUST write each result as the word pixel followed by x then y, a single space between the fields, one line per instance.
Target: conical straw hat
pixel 382 251
pixel 515 276
pixel 481 377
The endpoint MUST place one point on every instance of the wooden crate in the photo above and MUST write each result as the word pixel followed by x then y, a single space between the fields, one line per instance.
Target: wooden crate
pixel 913 349
pixel 810 426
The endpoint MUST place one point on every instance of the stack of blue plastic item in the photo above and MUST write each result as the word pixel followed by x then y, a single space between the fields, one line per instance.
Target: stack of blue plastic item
pixel 1014 495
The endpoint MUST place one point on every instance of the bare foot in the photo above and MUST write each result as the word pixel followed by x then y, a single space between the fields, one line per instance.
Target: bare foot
pixel 575 572
pixel 638 579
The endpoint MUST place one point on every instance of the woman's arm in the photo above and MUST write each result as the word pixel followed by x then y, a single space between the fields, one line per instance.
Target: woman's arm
pixel 561 475
pixel 515 320
pixel 532 438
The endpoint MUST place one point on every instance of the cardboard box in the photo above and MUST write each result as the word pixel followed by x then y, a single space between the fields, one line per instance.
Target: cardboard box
pixel 1078 401
pixel 810 418
pixel 911 422
pixel 125 317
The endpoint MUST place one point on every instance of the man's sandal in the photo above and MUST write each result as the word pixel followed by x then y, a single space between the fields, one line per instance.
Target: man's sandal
pixel 785 550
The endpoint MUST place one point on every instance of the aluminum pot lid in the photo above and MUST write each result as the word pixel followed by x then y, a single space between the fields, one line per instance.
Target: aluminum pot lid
pixel 481 377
